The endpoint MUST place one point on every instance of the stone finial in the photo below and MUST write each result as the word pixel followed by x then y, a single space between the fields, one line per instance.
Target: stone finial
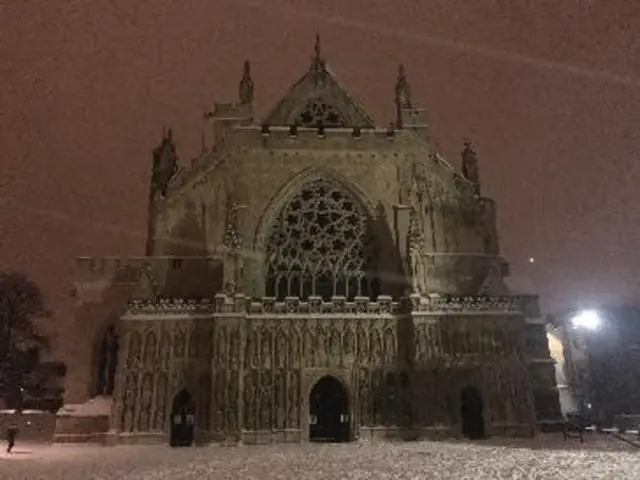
pixel 403 89
pixel 469 149
pixel 245 89
pixel 318 63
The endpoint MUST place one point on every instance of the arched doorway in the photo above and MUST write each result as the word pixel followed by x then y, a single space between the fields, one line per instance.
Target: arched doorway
pixel 471 410
pixel 182 420
pixel 329 411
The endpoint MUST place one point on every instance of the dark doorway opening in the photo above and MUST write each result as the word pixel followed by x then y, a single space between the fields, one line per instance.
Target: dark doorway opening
pixel 182 420
pixel 329 411
pixel 472 414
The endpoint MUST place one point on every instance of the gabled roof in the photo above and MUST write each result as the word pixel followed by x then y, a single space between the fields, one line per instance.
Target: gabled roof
pixel 318 96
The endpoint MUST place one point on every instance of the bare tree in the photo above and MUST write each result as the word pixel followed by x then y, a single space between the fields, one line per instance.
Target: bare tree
pixel 21 302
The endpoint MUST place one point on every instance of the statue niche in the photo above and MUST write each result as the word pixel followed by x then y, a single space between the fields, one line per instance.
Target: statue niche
pixel 321 244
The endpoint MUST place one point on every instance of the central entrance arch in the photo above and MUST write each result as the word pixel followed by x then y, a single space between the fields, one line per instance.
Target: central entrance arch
pixel 182 420
pixel 329 411
pixel 471 410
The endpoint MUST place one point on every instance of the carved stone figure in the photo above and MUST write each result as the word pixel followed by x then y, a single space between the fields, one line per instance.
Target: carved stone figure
pixel 165 164
pixel 135 346
pixel 403 90
pixel 250 400
pixel 294 400
pixel 470 168
pixel 245 89
pixel 161 397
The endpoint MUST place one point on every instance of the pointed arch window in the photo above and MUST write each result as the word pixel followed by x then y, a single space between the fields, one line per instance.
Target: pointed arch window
pixel 107 363
pixel 321 244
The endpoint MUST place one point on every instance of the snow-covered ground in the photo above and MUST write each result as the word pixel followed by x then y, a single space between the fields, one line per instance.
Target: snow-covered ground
pixel 377 461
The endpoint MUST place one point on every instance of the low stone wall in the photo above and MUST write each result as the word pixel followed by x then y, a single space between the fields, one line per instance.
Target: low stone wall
pixel 70 429
pixel 406 434
pixel 136 438
pixel 626 422
pixel 513 430
pixel 265 437
pixel 33 425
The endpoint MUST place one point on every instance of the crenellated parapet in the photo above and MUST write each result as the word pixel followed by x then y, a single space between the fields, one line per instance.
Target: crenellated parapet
pixel 449 304
pixel 169 307
pixel 300 138
pixel 239 304
pixel 383 305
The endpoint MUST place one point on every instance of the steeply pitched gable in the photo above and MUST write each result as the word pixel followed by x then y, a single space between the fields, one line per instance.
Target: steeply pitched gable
pixel 319 97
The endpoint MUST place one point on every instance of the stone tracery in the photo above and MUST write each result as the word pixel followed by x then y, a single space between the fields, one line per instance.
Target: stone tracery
pixel 320 245
pixel 318 112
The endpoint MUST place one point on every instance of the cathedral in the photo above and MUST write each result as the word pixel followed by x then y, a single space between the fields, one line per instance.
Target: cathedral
pixel 309 277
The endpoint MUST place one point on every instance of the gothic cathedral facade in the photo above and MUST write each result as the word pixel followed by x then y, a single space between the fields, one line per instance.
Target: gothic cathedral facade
pixel 311 277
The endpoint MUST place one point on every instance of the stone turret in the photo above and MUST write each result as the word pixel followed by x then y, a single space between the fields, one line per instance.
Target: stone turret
pixel 226 116
pixel 407 115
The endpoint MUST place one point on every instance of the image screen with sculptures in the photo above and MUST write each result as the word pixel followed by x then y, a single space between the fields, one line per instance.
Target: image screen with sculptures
pixel 310 277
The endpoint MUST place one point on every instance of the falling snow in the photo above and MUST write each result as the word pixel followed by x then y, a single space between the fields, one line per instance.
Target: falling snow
pixel 380 461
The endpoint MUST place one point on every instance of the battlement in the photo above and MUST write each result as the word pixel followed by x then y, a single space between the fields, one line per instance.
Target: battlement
pixel 383 306
pixel 447 304
pixel 299 137
pixel 230 111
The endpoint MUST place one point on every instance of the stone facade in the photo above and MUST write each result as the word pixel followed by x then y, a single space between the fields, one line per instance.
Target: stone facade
pixel 314 245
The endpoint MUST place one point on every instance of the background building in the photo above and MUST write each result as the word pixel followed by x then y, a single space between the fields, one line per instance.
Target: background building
pixel 601 362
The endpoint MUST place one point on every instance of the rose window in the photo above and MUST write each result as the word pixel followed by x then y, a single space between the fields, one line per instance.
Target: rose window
pixel 320 245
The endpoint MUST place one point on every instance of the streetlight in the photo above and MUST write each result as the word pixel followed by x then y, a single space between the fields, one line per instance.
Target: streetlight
pixel 587 319
pixel 590 321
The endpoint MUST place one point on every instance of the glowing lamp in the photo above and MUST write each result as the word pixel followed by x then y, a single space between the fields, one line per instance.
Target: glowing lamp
pixel 588 319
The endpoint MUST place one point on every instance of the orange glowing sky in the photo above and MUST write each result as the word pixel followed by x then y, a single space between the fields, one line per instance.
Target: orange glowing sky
pixel 549 92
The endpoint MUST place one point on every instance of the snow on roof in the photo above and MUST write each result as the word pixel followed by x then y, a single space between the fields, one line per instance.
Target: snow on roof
pixel 96 407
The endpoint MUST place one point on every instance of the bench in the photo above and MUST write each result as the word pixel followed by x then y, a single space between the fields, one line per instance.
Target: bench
pixel 575 426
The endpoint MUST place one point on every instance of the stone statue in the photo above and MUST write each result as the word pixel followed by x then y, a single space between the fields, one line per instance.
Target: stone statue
pixel 403 89
pixel 470 168
pixel 165 164
pixel 416 250
pixel 245 89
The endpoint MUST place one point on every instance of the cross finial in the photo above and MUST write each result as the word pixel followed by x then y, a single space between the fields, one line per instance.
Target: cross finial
pixel 317 48
pixel 317 62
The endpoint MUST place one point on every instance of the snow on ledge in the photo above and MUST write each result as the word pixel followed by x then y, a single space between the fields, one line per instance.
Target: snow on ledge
pixel 24 412
pixel 99 406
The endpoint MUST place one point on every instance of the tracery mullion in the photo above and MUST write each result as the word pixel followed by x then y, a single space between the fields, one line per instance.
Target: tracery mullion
pixel 305 236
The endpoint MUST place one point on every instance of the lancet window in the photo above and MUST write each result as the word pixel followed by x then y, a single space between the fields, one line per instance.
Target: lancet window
pixel 321 244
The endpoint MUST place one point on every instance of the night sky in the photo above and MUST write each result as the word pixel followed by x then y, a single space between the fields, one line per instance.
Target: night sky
pixel 550 95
